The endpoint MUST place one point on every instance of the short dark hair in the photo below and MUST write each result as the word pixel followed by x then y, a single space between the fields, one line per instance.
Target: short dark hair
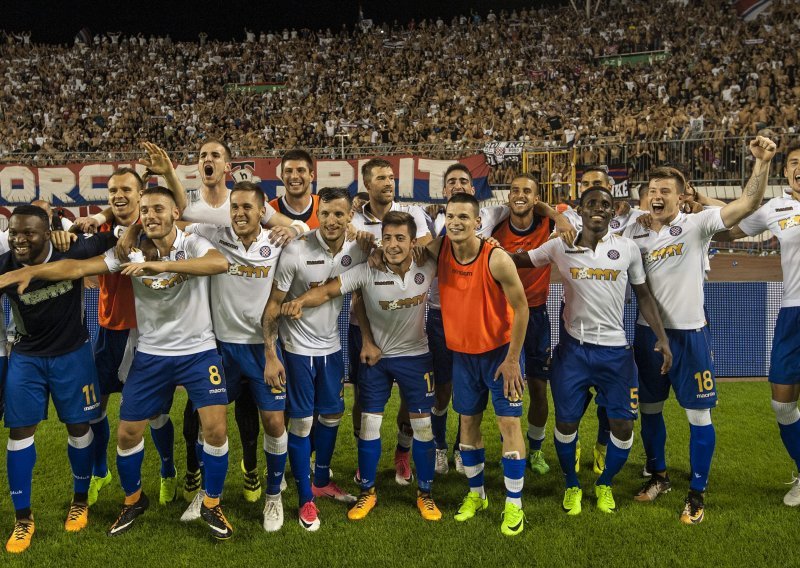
pixel 32 211
pixel 362 195
pixel 601 169
pixel 466 198
pixel 125 171
pixel 159 190
pixel 298 154
pixel 668 172
pixel 228 154
pixel 595 188
pixel 398 219
pixel 793 147
pixel 529 176
pixel 250 186
pixel 366 169
pixel 457 167
pixel 327 194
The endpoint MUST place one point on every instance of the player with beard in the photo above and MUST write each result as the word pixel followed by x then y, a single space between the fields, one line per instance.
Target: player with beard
pixel 176 346
pixel 297 174
pixel 378 177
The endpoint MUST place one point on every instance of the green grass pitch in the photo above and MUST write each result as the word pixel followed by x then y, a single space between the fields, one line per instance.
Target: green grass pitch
pixel 746 522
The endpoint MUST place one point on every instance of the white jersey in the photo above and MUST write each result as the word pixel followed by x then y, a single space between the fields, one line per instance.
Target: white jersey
pixel 172 309
pixel 781 215
pixel 395 306
pixel 198 211
pixel 674 260
pixel 594 285
pixel 365 221
pixel 238 296
pixel 617 225
pixel 490 217
pixel 307 262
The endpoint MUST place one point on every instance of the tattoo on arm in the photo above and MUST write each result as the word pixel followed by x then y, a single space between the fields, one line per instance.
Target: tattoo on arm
pixel 753 184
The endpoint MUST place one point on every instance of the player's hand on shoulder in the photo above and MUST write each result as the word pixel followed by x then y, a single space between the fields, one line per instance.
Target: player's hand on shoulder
pixel 420 254
pixel 762 148
pixel 492 241
pixel 564 229
pixel 350 233
pixel 663 348
pixel 365 241
pixel 433 210
pixel 21 277
pixel 86 224
pixel 62 240
pixel 370 354
pixel 292 309
pixel 375 260
pixel 128 241
pixel 645 220
pixel 282 236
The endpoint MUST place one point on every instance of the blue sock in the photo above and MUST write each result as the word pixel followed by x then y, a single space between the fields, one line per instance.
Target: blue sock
pixel 20 459
pixel 654 439
pixel 565 450
pixel 702 440
pixel 81 459
pixel 198 451
pixel 215 465
pixel 129 467
pixel 369 454
pixel 616 456
pixel 324 443
pixel 473 467
pixel 299 449
pixel 275 450
pixel 514 474
pixel 790 435
pixel 164 441
pixel 424 454
pixel 603 428
pixel 439 426
pixel 102 435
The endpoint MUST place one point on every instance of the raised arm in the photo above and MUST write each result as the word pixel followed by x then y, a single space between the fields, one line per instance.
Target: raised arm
pixel 505 272
pixel 158 162
pixel 731 234
pixel 763 149
pixel 68 269
pixel 563 227
pixel 649 310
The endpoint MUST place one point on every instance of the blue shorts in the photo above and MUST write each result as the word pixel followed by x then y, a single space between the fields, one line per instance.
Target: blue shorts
pixel 353 353
pixel 244 368
pixel 442 356
pixel 70 379
pixel 578 367
pixel 537 344
pixel 3 373
pixel 153 378
pixel 473 379
pixel 314 385
pixel 692 372
pixel 109 349
pixel 784 367
pixel 414 377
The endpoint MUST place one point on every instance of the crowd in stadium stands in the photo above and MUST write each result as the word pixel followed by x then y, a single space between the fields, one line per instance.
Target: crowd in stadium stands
pixel 525 75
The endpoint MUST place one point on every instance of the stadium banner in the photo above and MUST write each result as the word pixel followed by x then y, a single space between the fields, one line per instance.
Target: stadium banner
pixel 633 59
pixel 82 184
pixel 749 10
pixel 498 152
